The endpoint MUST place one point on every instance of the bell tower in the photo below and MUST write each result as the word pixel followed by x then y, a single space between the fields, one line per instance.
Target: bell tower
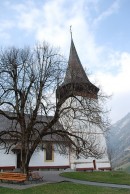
pixel 76 84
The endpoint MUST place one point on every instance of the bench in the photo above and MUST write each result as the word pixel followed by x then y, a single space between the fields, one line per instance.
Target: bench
pixel 34 176
pixel 11 176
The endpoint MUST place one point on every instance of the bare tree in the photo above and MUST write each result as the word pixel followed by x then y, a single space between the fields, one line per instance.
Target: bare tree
pixel 28 81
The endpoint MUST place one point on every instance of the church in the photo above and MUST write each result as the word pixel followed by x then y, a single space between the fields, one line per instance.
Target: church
pixel 50 159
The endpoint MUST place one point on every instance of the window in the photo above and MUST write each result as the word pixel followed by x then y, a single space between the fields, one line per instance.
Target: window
pixel 49 154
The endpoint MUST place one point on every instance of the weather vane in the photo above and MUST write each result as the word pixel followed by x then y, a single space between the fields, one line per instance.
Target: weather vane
pixel 71 31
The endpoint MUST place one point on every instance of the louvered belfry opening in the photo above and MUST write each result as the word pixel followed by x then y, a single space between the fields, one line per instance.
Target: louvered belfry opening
pixel 76 82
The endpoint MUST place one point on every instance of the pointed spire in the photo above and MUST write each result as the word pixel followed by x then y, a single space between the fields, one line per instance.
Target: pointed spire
pixel 76 81
pixel 75 72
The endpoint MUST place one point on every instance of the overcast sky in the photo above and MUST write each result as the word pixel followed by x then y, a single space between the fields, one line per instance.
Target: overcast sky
pixel 101 33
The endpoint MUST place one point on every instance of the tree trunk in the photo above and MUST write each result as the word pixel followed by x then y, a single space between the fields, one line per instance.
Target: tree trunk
pixel 23 161
pixel 26 156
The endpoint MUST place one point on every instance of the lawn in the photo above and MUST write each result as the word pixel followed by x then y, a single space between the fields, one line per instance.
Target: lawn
pixel 65 188
pixel 116 177
pixel 71 188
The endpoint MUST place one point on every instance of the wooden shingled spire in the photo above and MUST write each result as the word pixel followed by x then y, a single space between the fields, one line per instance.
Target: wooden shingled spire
pixel 76 82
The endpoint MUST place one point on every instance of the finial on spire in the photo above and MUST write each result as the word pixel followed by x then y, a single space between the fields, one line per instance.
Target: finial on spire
pixel 71 31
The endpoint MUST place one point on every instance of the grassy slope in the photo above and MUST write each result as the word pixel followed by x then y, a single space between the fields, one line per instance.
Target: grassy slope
pixel 65 188
pixel 108 177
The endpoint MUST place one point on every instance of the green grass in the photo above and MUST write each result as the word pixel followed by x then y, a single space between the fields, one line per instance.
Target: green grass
pixel 117 177
pixel 71 188
pixel 65 188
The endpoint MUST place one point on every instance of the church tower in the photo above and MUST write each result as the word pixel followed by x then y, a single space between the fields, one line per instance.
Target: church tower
pixel 76 83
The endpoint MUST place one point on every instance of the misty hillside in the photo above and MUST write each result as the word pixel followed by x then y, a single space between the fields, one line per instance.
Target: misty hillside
pixel 119 143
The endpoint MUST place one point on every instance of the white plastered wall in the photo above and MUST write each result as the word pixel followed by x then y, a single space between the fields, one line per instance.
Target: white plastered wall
pixel 100 139
pixel 7 159
pixel 38 159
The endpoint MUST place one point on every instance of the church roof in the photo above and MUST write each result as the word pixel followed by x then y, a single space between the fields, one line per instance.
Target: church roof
pixel 9 125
